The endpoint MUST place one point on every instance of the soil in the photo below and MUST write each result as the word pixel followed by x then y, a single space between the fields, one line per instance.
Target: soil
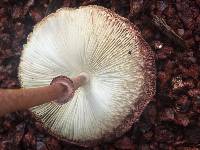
pixel 170 121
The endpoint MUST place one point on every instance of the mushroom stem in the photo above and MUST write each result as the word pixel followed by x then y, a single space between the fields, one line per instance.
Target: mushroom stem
pixel 61 90
pixel 80 80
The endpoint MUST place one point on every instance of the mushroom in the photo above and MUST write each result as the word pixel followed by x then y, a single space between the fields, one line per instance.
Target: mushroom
pixel 112 69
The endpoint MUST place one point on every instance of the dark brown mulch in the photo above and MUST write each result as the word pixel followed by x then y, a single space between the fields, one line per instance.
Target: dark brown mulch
pixel 171 121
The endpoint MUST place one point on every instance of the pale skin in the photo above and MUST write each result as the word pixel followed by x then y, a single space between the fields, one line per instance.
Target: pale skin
pixel 61 91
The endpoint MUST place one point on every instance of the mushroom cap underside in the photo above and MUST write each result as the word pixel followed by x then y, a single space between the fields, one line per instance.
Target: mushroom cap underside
pixel 119 63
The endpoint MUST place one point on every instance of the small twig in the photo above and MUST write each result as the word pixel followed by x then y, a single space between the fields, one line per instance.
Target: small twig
pixel 168 31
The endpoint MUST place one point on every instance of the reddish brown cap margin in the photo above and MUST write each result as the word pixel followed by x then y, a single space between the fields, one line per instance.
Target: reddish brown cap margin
pixel 149 86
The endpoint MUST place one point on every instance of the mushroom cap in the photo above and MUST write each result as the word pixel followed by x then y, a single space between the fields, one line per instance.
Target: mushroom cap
pixel 107 47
